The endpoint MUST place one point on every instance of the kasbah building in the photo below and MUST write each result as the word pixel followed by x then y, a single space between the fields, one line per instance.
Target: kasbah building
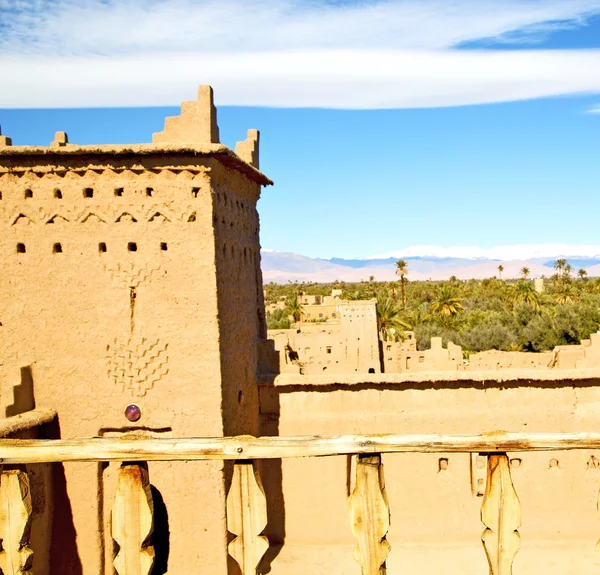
pixel 132 306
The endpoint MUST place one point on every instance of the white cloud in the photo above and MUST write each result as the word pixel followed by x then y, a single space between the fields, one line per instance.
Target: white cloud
pixel 594 110
pixel 395 53
pixel 336 79
pixel 120 26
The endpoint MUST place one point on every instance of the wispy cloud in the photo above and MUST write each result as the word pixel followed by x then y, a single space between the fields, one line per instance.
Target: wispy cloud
pixel 110 27
pixel 594 110
pixel 378 53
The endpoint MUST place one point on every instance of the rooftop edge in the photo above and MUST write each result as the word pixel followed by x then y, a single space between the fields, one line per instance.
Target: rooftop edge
pixel 220 151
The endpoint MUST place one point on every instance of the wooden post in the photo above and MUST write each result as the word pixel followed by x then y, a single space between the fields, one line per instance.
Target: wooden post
pixel 370 515
pixel 133 521
pixel 501 513
pixel 15 521
pixel 247 517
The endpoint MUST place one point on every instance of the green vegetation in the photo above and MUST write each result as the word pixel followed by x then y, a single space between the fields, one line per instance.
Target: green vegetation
pixel 390 322
pixel 293 307
pixel 278 319
pixel 499 314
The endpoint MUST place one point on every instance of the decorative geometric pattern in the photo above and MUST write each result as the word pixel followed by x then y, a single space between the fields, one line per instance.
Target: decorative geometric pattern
pixel 137 364
pixel 164 212
pixel 131 274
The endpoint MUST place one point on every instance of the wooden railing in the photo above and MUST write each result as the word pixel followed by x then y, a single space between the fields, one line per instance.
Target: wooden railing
pixel 132 513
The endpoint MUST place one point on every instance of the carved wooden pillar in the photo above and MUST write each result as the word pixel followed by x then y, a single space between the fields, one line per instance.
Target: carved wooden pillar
pixel 247 517
pixel 501 514
pixel 15 522
pixel 133 521
pixel 370 515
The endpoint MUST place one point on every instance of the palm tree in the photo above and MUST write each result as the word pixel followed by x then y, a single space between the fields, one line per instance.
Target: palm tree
pixel 390 323
pixel 559 265
pixel 402 271
pixel 525 272
pixel 566 293
pixel 567 271
pixel 293 307
pixel 355 295
pixel 447 304
pixel 500 270
pixel 524 292
pixel 582 274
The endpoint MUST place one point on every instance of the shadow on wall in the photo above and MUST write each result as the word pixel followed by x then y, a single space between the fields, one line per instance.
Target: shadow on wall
pixel 64 557
pixel 23 394
pixel 272 480
pixel 161 535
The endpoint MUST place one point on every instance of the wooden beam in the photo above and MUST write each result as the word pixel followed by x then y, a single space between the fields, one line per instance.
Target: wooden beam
pixel 370 515
pixel 15 523
pixel 133 521
pixel 501 514
pixel 247 447
pixel 247 517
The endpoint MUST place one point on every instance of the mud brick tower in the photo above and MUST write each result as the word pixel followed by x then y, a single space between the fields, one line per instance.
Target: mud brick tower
pixel 130 276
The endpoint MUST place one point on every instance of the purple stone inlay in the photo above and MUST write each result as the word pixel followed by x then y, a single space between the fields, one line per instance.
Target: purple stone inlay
pixel 133 412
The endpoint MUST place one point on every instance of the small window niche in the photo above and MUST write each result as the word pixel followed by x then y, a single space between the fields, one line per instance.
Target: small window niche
pixel 163 246
pixel 28 193
pixel 132 247
pixel 149 192
pixel 119 192
pixel 102 247
pixel 58 194
pixel 195 192
pixel 88 193
pixel 21 248
pixel 57 248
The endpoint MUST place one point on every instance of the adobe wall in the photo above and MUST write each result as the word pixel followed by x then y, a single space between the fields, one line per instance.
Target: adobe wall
pixel 494 359
pixel 358 323
pixel 128 278
pixel 239 292
pixel 347 347
pixel 435 511
pixel 86 321
pixel 403 356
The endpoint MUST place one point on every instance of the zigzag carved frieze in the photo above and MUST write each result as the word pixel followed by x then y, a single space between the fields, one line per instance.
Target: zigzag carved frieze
pixel 154 214
pixel 95 170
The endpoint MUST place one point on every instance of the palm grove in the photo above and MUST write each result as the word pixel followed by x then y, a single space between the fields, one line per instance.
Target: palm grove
pixel 493 313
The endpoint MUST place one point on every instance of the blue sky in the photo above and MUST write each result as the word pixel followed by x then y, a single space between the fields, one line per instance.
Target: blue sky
pixel 384 124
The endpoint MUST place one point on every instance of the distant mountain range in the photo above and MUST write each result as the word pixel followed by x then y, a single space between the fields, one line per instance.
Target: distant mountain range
pixel 430 262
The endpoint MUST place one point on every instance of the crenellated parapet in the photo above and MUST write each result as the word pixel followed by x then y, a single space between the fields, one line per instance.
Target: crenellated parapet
pixel 4 140
pixel 60 139
pixel 197 123
pixel 247 149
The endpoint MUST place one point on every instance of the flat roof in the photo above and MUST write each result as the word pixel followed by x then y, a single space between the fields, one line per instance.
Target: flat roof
pixel 219 151
pixel 442 378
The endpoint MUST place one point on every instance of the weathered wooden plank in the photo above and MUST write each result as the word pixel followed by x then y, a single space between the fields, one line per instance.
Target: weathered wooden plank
pixel 247 447
pixel 501 513
pixel 133 521
pixel 27 420
pixel 247 517
pixel 370 515
pixel 15 521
